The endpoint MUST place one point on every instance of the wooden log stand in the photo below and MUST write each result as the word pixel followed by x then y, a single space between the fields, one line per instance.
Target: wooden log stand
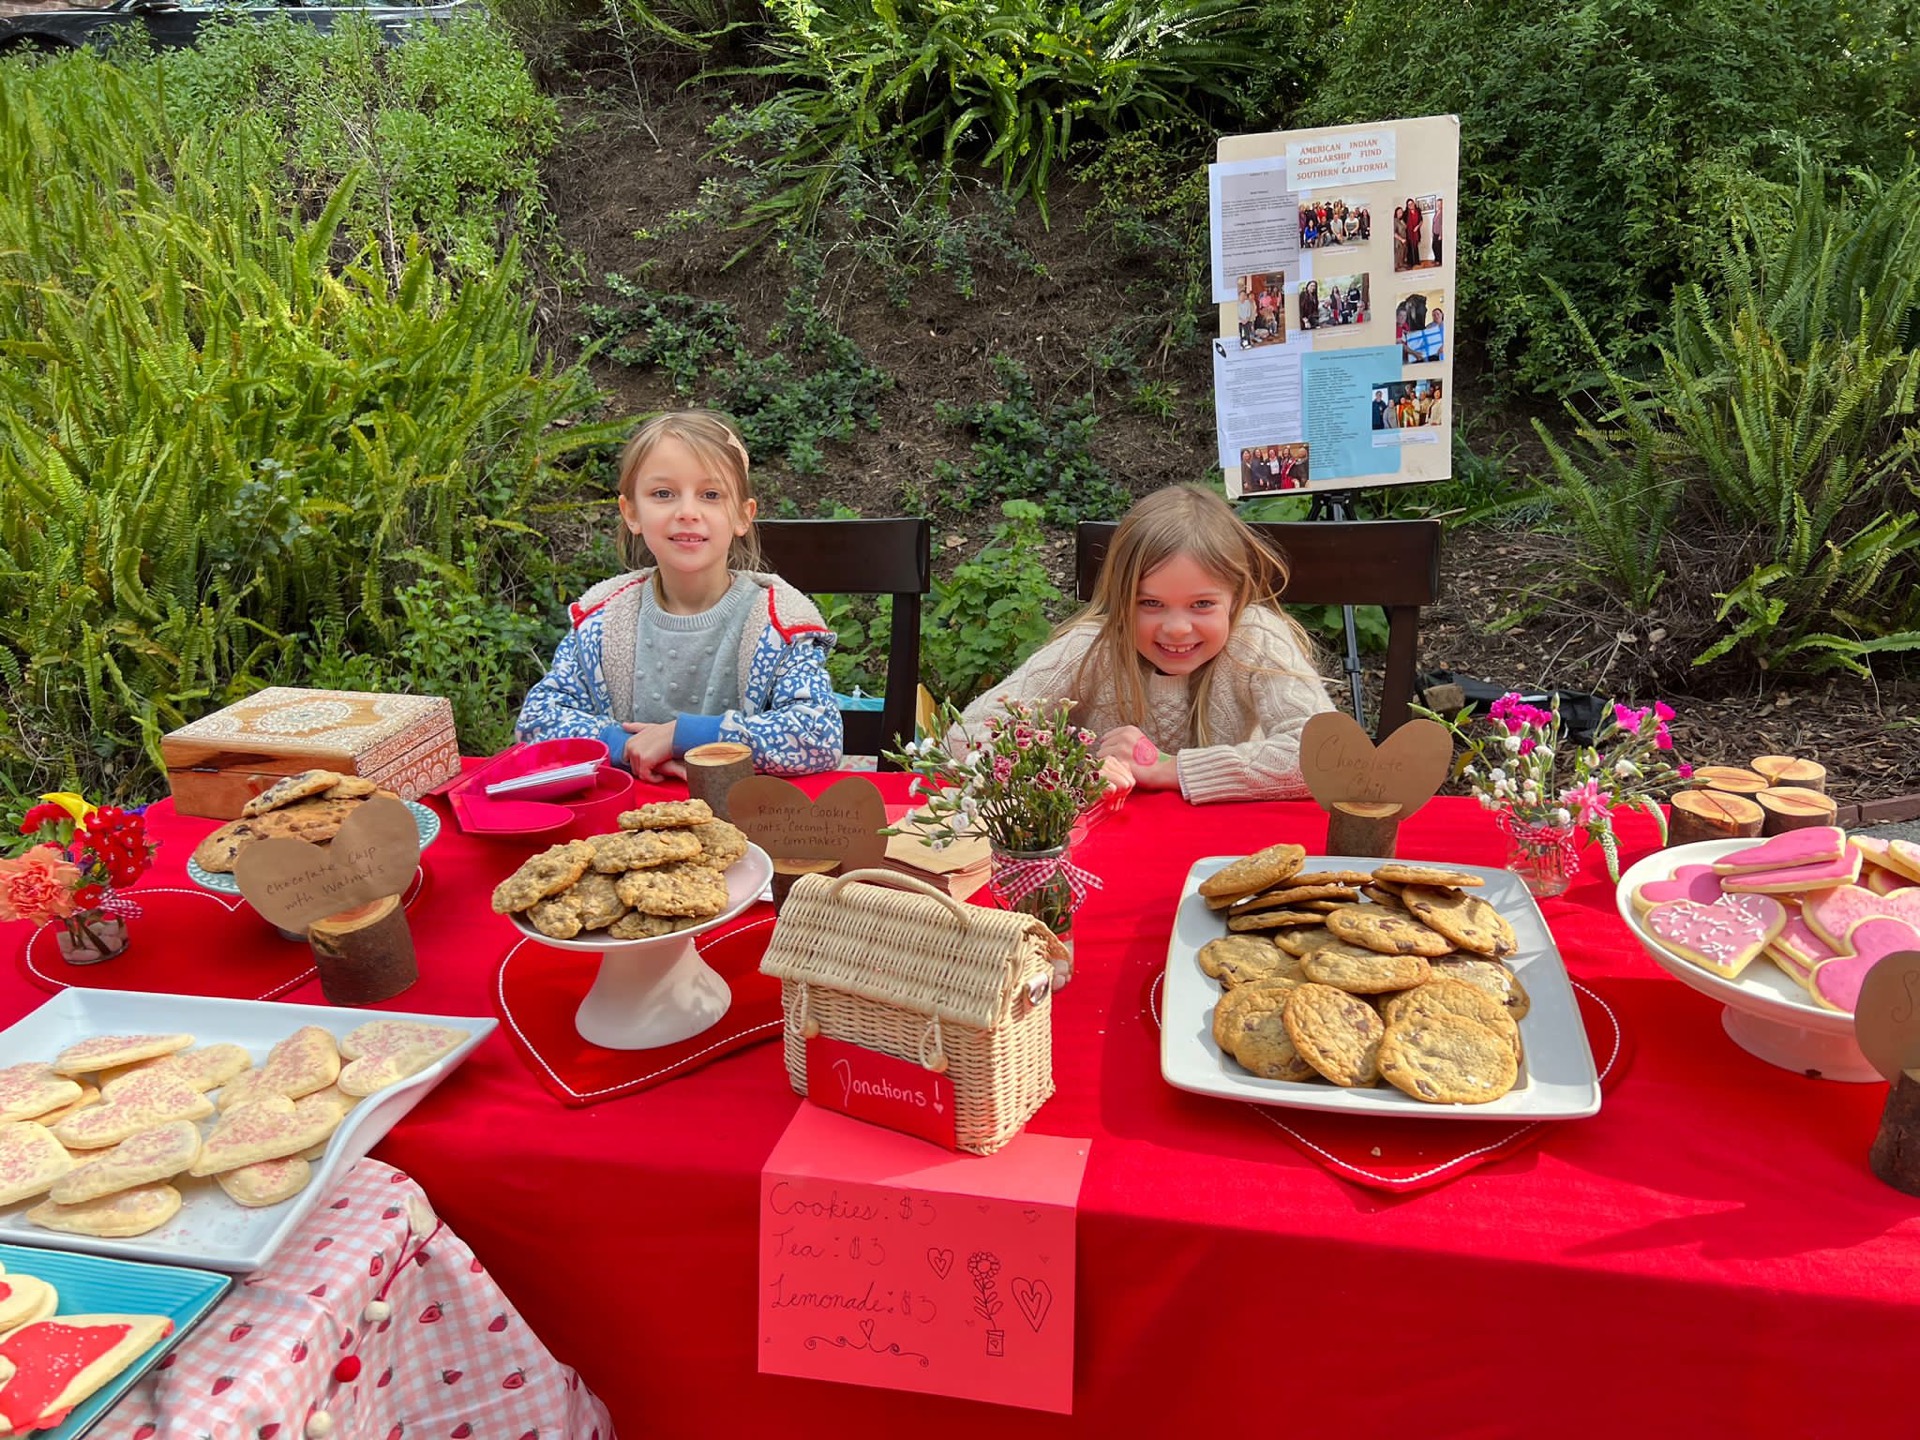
pixel 713 770
pixel 1730 779
pixel 1789 807
pixel 787 872
pixel 1895 1156
pixel 1792 770
pixel 1365 828
pixel 364 954
pixel 1712 815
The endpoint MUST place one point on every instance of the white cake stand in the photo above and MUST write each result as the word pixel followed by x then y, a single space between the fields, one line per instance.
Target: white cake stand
pixel 658 992
pixel 1766 1014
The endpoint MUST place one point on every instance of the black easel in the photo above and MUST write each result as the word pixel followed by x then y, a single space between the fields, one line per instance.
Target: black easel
pixel 1343 505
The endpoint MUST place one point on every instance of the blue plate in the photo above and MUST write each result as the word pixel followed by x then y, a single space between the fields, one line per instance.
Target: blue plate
pixel 424 820
pixel 100 1285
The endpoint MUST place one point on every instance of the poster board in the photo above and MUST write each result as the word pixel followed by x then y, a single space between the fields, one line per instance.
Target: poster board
pixel 1333 367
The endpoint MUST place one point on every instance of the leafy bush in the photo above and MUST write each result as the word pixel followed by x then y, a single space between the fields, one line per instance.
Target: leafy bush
pixel 448 127
pixel 993 611
pixel 217 445
pixel 1770 463
pixel 1009 83
pixel 1600 140
pixel 1023 449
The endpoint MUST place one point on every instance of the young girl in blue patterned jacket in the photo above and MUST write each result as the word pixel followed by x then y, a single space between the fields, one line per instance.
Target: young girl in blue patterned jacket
pixel 702 645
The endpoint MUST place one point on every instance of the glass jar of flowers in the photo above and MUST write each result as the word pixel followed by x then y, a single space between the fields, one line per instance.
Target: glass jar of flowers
pixel 1022 783
pixel 1548 793
pixel 70 863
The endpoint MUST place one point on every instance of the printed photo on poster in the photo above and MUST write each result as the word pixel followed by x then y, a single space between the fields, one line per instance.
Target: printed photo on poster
pixel 1265 469
pixel 1418 223
pixel 1420 326
pixel 1338 300
pixel 1334 221
pixel 1263 310
pixel 1407 405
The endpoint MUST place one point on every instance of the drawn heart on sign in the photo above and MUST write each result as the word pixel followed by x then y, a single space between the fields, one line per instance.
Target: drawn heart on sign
pixel 940 1260
pixel 294 883
pixel 1341 763
pixel 1035 1298
pixel 843 825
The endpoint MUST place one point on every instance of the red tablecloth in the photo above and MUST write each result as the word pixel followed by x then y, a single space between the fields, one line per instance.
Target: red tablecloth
pixel 1709 1255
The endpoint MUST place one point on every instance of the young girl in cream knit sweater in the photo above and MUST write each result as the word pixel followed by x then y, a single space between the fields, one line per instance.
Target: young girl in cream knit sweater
pixel 1183 663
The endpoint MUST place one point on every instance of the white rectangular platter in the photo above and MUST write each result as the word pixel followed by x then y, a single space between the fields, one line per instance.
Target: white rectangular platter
pixel 211 1230
pixel 1558 1081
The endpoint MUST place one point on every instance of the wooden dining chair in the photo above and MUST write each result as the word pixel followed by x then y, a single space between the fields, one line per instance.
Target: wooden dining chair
pixel 889 557
pixel 1391 563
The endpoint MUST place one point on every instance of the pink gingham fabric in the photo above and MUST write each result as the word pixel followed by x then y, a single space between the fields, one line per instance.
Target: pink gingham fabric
pixel 450 1357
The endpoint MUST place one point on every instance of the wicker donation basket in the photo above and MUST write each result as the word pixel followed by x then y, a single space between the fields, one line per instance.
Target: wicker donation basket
pixel 879 959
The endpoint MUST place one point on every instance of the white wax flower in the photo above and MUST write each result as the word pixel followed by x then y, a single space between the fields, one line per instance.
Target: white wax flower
pixel 1563 816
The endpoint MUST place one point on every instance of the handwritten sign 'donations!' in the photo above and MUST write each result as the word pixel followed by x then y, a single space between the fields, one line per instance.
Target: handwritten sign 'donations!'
pixel 1886 1017
pixel 294 883
pixel 886 1262
pixel 843 825
pixel 1341 762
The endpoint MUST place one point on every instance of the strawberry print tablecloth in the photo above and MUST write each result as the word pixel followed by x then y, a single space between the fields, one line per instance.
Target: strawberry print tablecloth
pixel 376 1314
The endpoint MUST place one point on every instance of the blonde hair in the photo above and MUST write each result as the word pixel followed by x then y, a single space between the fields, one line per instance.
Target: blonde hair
pixel 1179 520
pixel 715 442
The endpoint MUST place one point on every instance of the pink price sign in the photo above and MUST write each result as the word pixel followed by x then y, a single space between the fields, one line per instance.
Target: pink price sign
pixel 886 1262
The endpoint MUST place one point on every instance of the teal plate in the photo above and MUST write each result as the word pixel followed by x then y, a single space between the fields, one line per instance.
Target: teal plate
pixel 101 1285
pixel 424 820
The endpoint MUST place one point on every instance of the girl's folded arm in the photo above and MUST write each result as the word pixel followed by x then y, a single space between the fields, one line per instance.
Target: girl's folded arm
pixel 566 701
pixel 797 730
pixel 1284 691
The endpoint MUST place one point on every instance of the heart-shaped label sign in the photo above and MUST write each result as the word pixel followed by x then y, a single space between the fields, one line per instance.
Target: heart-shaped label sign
pixel 294 883
pixel 843 826
pixel 1886 1017
pixel 1342 764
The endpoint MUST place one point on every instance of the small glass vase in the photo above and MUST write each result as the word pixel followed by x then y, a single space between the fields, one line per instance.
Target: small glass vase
pixel 1038 883
pixel 1545 855
pixel 87 937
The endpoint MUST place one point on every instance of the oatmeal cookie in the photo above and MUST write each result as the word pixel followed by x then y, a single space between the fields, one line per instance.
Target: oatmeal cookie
pixel 1447 1060
pixel 1259 871
pixel 1336 1033
pixel 667 815
pixel 596 899
pixel 641 849
pixel 675 890
pixel 635 926
pixel 720 843
pixel 1467 920
pixel 557 919
pixel 1389 931
pixel 547 873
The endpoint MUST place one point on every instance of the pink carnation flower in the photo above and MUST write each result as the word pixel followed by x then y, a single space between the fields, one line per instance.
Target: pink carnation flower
pixel 38 886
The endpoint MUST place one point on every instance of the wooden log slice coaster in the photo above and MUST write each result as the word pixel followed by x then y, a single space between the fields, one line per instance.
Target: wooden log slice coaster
pixel 1792 770
pixel 1711 815
pixel 1732 779
pixel 1788 807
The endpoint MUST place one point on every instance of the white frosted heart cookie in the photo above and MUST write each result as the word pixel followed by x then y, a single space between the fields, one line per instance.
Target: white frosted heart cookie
pixel 104 1052
pixel 265 1182
pixel 123 1213
pixel 89 1095
pixel 29 1091
pixel 207 1068
pixel 305 1061
pixel 157 1154
pixel 242 1089
pixel 31 1159
pixel 53 1365
pixel 268 1129
pixel 25 1299
pixel 383 1051
pixel 139 1103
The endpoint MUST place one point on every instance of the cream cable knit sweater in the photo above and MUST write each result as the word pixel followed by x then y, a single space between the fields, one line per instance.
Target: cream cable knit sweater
pixel 1263 691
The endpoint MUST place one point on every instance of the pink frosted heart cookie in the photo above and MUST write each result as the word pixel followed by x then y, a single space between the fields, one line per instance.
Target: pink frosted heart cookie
pixel 1832 914
pixel 1903 858
pixel 25 1299
pixel 1698 883
pixel 1811 846
pixel 1793 879
pixel 1883 881
pixel 50 1366
pixel 1836 984
pixel 1797 949
pixel 1720 938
